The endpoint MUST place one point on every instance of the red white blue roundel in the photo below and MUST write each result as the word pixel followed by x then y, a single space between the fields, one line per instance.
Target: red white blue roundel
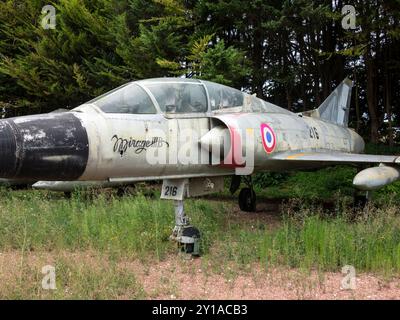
pixel 268 138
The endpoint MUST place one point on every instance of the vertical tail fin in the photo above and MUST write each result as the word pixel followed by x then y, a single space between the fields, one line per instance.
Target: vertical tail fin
pixel 336 107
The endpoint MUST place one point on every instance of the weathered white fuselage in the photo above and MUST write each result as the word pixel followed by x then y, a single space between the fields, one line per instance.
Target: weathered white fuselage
pixel 293 133
pixel 173 128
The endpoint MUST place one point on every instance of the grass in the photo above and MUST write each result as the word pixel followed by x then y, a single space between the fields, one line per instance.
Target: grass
pixel 370 242
pixel 137 228
pixel 133 226
pixel 36 221
pixel 76 278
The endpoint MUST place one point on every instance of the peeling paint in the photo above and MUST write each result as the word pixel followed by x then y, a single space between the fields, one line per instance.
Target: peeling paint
pixel 53 147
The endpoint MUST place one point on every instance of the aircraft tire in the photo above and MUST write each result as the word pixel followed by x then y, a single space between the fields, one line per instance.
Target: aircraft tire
pixel 247 200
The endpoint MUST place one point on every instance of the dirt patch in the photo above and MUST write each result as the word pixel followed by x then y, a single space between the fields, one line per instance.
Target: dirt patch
pixel 268 213
pixel 176 278
pixel 180 278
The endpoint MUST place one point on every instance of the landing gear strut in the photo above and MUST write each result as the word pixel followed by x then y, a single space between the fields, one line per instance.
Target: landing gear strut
pixel 361 200
pixel 187 236
pixel 247 196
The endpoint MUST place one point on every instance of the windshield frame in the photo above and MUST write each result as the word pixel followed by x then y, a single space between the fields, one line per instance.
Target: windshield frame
pixel 233 109
pixel 116 90
pixel 144 83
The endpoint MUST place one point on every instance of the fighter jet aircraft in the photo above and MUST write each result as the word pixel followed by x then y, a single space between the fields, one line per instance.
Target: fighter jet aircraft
pixel 190 134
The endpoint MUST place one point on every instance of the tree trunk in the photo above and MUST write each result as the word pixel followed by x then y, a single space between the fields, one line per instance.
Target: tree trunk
pixel 389 111
pixel 357 103
pixel 372 99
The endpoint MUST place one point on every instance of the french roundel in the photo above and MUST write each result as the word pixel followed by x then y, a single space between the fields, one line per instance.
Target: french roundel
pixel 268 138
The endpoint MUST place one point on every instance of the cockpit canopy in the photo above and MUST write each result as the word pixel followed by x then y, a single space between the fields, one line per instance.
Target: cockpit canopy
pixel 129 98
pixel 179 96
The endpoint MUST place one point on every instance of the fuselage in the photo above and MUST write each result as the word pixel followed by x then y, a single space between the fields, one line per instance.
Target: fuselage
pixel 154 136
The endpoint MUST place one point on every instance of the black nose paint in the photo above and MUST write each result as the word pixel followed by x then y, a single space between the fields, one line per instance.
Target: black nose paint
pixel 43 147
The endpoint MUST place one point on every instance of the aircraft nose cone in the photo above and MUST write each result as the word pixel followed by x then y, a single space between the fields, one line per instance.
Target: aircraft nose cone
pixel 8 148
pixel 43 147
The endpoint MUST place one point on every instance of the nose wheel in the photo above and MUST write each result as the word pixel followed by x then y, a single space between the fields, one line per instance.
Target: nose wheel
pixel 186 236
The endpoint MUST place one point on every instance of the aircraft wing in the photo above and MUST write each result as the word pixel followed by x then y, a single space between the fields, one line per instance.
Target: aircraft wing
pixel 333 157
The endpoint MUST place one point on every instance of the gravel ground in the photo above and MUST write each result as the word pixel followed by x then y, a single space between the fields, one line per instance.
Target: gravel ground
pixel 173 279
pixel 180 278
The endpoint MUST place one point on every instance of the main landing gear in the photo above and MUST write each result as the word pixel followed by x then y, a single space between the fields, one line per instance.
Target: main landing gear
pixel 247 196
pixel 187 236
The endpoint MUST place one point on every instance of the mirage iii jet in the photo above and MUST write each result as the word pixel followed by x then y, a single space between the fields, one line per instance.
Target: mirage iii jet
pixel 190 134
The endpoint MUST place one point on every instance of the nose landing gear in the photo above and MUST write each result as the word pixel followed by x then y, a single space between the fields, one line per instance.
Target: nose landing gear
pixel 187 236
pixel 184 234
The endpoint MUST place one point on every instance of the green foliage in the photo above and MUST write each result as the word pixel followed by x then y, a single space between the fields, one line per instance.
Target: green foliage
pixel 66 66
pixel 264 180
pixel 290 52
pixel 98 45
pixel 320 184
pixel 323 183
pixel 222 65
pixel 382 149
